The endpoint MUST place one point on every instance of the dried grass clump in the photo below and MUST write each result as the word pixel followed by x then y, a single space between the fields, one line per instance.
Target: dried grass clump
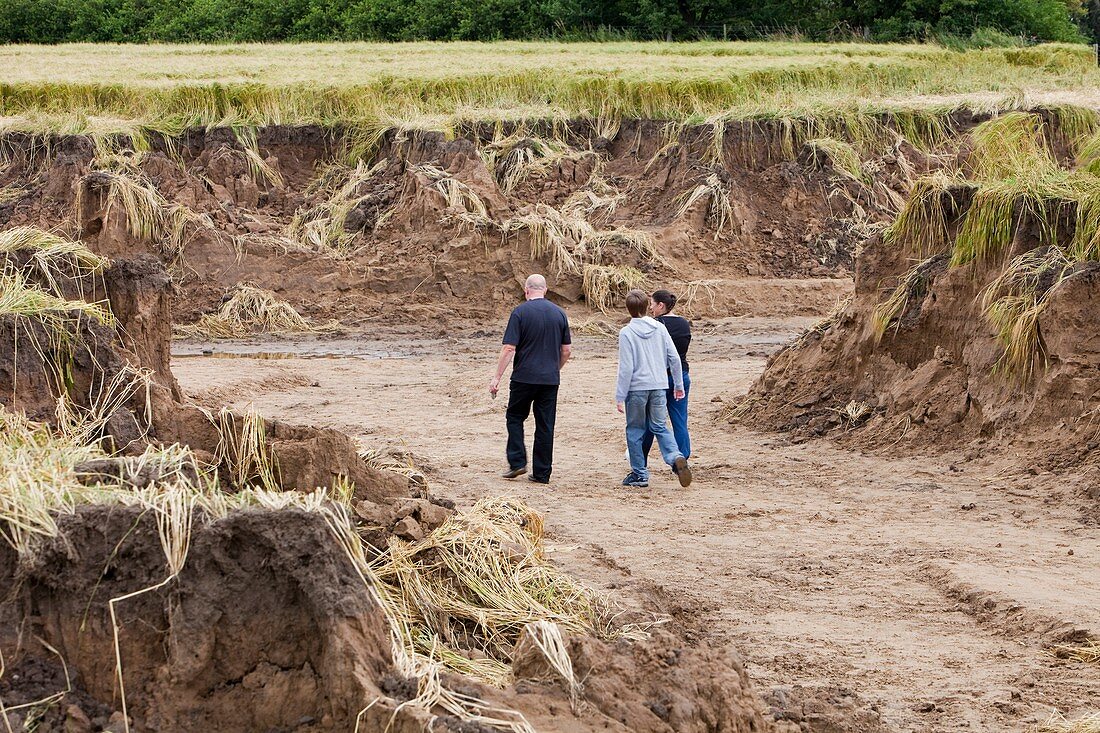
pixel 719 208
pixel 1088 652
pixel 556 236
pixel 457 194
pixel 262 171
pixel 1013 302
pixel 149 216
pixel 22 299
pixel 912 286
pixel 604 284
pixel 596 327
pixel 597 203
pixel 831 319
pixel 635 240
pixel 572 245
pixel 251 311
pixel 1089 723
pixel 854 413
pixel 514 159
pixel 465 593
pixel 693 292
pixel 840 155
pixel 393 461
pixel 50 257
pixel 322 228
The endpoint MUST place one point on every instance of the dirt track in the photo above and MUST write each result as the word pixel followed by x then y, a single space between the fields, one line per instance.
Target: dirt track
pixel 930 587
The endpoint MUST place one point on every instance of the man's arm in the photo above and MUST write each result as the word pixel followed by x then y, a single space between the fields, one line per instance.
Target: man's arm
pixel 566 352
pixel 506 353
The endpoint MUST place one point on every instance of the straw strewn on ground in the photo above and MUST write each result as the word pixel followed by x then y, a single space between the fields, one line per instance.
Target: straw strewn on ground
pixel 76 87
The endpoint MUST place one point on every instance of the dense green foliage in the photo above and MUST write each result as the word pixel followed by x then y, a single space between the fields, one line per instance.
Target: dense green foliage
pixel 957 21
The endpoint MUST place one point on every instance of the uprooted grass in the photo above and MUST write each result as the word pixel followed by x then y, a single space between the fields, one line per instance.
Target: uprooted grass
pixel 842 156
pixel 605 284
pixel 50 258
pixel 263 173
pixel 912 286
pixel 1088 652
pixel 475 582
pixel 323 227
pixel 149 216
pixel 555 236
pixel 20 298
pixel 248 312
pixel 455 193
pixel 922 225
pixel 693 293
pixel 1015 300
pixel 831 319
pixel 1089 723
pixel 716 192
pixel 516 158
pixel 572 246
pixel 596 327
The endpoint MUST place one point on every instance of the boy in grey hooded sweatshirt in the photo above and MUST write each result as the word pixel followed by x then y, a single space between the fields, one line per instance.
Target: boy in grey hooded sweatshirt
pixel 646 357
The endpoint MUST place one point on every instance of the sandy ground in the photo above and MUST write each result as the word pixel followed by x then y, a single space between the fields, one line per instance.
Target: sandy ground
pixel 925 590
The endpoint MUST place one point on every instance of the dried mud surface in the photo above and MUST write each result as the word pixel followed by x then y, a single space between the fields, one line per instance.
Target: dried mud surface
pixel 866 592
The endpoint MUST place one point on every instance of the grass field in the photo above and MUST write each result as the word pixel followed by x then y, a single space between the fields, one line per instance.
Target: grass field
pixel 102 88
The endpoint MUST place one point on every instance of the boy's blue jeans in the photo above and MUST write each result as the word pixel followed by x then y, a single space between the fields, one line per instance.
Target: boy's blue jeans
pixel 647 411
pixel 678 415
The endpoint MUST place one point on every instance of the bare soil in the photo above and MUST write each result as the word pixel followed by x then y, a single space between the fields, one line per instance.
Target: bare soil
pixel 865 591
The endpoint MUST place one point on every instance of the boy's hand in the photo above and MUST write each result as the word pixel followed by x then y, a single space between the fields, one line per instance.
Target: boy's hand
pixel 494 386
pixel 621 407
pixel 678 394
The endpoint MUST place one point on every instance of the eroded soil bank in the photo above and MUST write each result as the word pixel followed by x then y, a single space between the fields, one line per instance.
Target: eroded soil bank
pixel 417 225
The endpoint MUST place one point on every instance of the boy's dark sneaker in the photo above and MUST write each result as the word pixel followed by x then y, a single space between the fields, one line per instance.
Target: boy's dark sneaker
pixel 636 481
pixel 682 470
pixel 535 480
pixel 514 472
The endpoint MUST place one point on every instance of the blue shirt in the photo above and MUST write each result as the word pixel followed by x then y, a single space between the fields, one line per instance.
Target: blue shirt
pixel 538 329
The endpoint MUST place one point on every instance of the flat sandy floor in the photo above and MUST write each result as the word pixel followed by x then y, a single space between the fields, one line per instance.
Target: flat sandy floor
pixel 925 589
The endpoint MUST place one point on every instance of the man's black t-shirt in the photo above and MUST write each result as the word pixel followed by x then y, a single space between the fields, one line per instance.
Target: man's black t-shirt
pixel 537 329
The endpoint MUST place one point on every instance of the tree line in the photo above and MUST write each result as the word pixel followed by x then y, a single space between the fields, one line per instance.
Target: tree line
pixel 978 22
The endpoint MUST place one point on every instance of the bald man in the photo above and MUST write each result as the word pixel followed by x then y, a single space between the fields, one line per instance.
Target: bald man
pixel 537 344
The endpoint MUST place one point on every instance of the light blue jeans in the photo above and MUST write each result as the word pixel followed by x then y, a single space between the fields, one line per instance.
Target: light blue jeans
pixel 647 411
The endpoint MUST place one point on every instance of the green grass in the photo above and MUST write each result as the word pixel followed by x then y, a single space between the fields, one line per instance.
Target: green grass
pixel 96 88
pixel 1011 182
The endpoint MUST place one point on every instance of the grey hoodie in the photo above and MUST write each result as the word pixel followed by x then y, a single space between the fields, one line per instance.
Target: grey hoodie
pixel 646 356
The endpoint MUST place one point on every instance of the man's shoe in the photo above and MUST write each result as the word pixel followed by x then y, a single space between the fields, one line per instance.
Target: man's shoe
pixel 535 480
pixel 514 472
pixel 634 480
pixel 682 470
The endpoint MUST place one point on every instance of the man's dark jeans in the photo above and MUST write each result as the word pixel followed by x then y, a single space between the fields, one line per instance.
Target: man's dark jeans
pixel 521 397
